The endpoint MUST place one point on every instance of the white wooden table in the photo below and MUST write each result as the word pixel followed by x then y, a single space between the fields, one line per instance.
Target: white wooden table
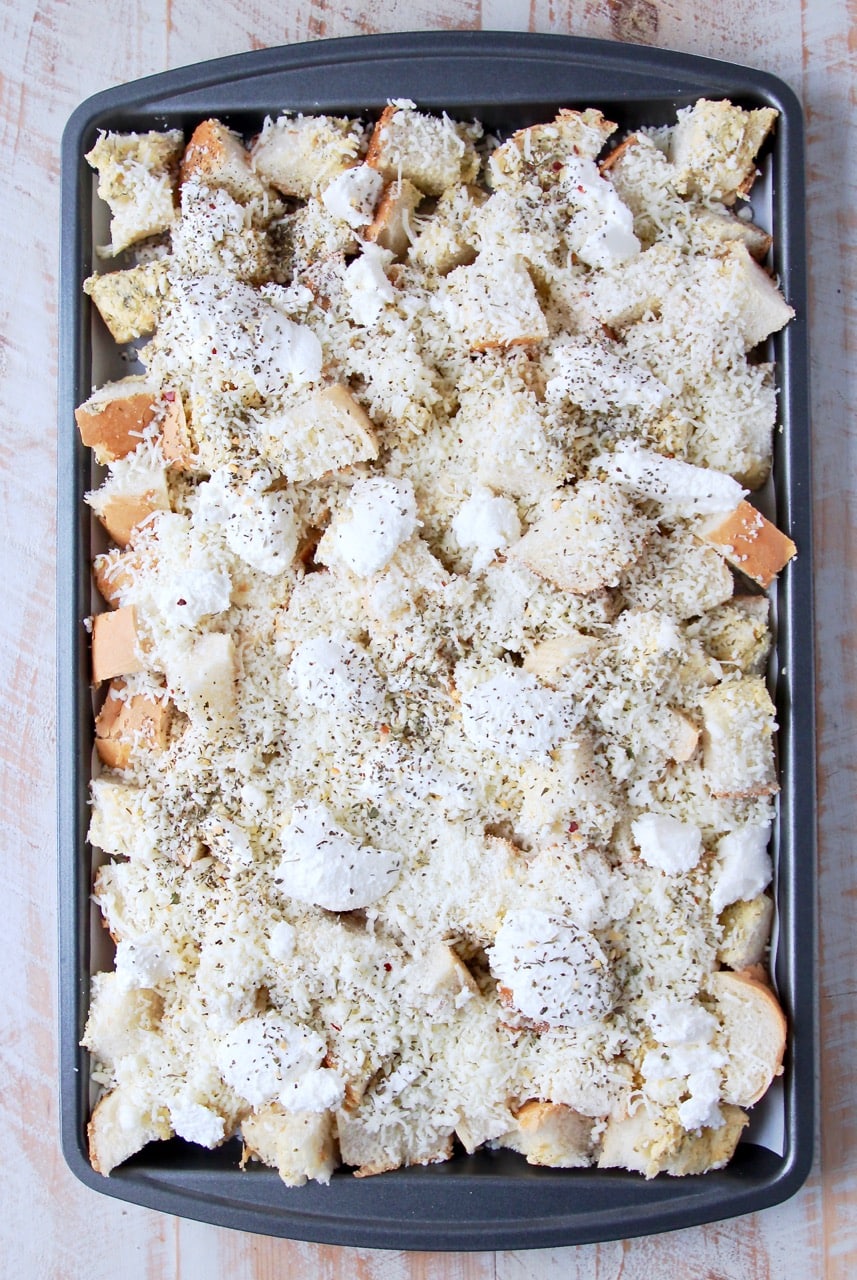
pixel 54 54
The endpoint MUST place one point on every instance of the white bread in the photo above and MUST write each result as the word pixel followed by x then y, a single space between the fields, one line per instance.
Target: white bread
pixel 327 432
pixel 494 303
pixel 714 146
pixel 120 1017
pixel 300 155
pixel 137 178
pixel 652 1143
pixel 371 1151
pixel 746 927
pixel 300 1145
pixel 128 497
pixel 750 542
pixel 124 724
pixel 113 572
pixel 738 720
pixel 112 421
pixel 116 644
pixel 551 658
pixel 119 1127
pixel 754 299
pixel 216 157
pixel 540 151
pixel 723 227
pixel 431 152
pixel 586 540
pixel 203 678
pixel 736 633
pixel 449 236
pixel 129 302
pixel 753 1035
pixel 392 227
pixel 549 1133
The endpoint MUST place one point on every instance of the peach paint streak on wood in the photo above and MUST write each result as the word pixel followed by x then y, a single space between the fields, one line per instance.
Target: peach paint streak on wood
pixel 50 61
pixel 829 83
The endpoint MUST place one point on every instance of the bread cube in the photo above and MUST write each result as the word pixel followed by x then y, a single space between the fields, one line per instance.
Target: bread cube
pixel 116 644
pixel 737 633
pixel 750 542
pixel 119 1017
pixel 753 1035
pixel 656 1142
pixel 137 178
pixel 714 145
pixel 120 1126
pixel 203 678
pixel 112 421
pixel 129 302
pixel 432 152
pixel 449 236
pixel 328 432
pixel 300 155
pixel 586 540
pixel 746 926
pixel 300 1145
pixel 549 1133
pixel 494 304
pixel 217 157
pixel 738 720
pixel 391 227
pixel 113 571
pixel 540 151
pixel 125 723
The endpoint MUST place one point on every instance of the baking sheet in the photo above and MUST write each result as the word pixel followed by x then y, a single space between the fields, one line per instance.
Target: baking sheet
pixel 492 1199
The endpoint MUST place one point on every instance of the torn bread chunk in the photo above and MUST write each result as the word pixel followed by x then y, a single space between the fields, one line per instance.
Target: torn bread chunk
pixel 432 152
pixel 750 542
pixel 137 175
pixel 216 157
pixel 585 541
pixel 656 1142
pixel 738 719
pixel 552 658
pixel 129 302
pixel 116 647
pixel 552 1134
pixel 746 931
pixel 300 155
pixel 135 489
pixel 328 432
pixel 494 303
pixel 300 1145
pixel 713 147
pixel 120 1126
pixel 392 226
pixel 449 236
pixel 120 1017
pixel 540 152
pixel 202 679
pixel 176 441
pixel 737 633
pixel 753 1033
pixel 723 227
pixel 750 296
pixel 113 421
pixel 113 573
pixel 126 723
pixel 372 1150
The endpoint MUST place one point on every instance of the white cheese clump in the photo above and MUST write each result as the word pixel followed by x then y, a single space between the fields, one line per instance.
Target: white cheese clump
pixel 666 843
pixel 556 972
pixel 258 523
pixel 685 1070
pixel 266 1058
pixel 326 867
pixel 336 676
pixel 680 487
pixel 486 523
pixel 144 961
pixel 513 715
pixel 367 286
pixel 380 514
pixel 742 868
pixel 601 230
pixel 196 1123
pixel 352 195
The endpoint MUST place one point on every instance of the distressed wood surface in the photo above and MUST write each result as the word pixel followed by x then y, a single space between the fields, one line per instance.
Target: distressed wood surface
pixel 54 54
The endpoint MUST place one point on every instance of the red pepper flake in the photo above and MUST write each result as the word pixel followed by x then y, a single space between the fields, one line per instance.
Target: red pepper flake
pixel 580 188
pixel 572 827
pixel 181 601
pixel 169 396
pixel 388 966
pixel 556 166
pixel 385 729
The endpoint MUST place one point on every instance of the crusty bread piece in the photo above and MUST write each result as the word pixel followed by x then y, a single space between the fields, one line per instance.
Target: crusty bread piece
pixel 723 227
pixel 746 927
pixel 540 151
pixel 176 442
pixel 300 1145
pixel 310 236
pixel 615 155
pixel 137 178
pixel 216 157
pixel 586 540
pixel 113 572
pixel 129 302
pixel 549 1133
pixel 551 658
pixel 449 236
pixel 750 542
pixel 684 738
pixel 119 1127
pixel 124 724
pixel 431 152
pixel 494 303
pixel 737 633
pixel 300 155
pixel 115 644
pixel 112 421
pixel 327 432
pixel 754 300
pixel 738 719
pixel 128 497
pixel 120 1017
pixel 371 1151
pixel 753 1033
pixel 203 678
pixel 657 1143
pixel 445 973
pixel 391 227
pixel 714 145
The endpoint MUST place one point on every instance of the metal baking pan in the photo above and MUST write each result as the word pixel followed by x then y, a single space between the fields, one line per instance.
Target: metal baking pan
pixel 492 1200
